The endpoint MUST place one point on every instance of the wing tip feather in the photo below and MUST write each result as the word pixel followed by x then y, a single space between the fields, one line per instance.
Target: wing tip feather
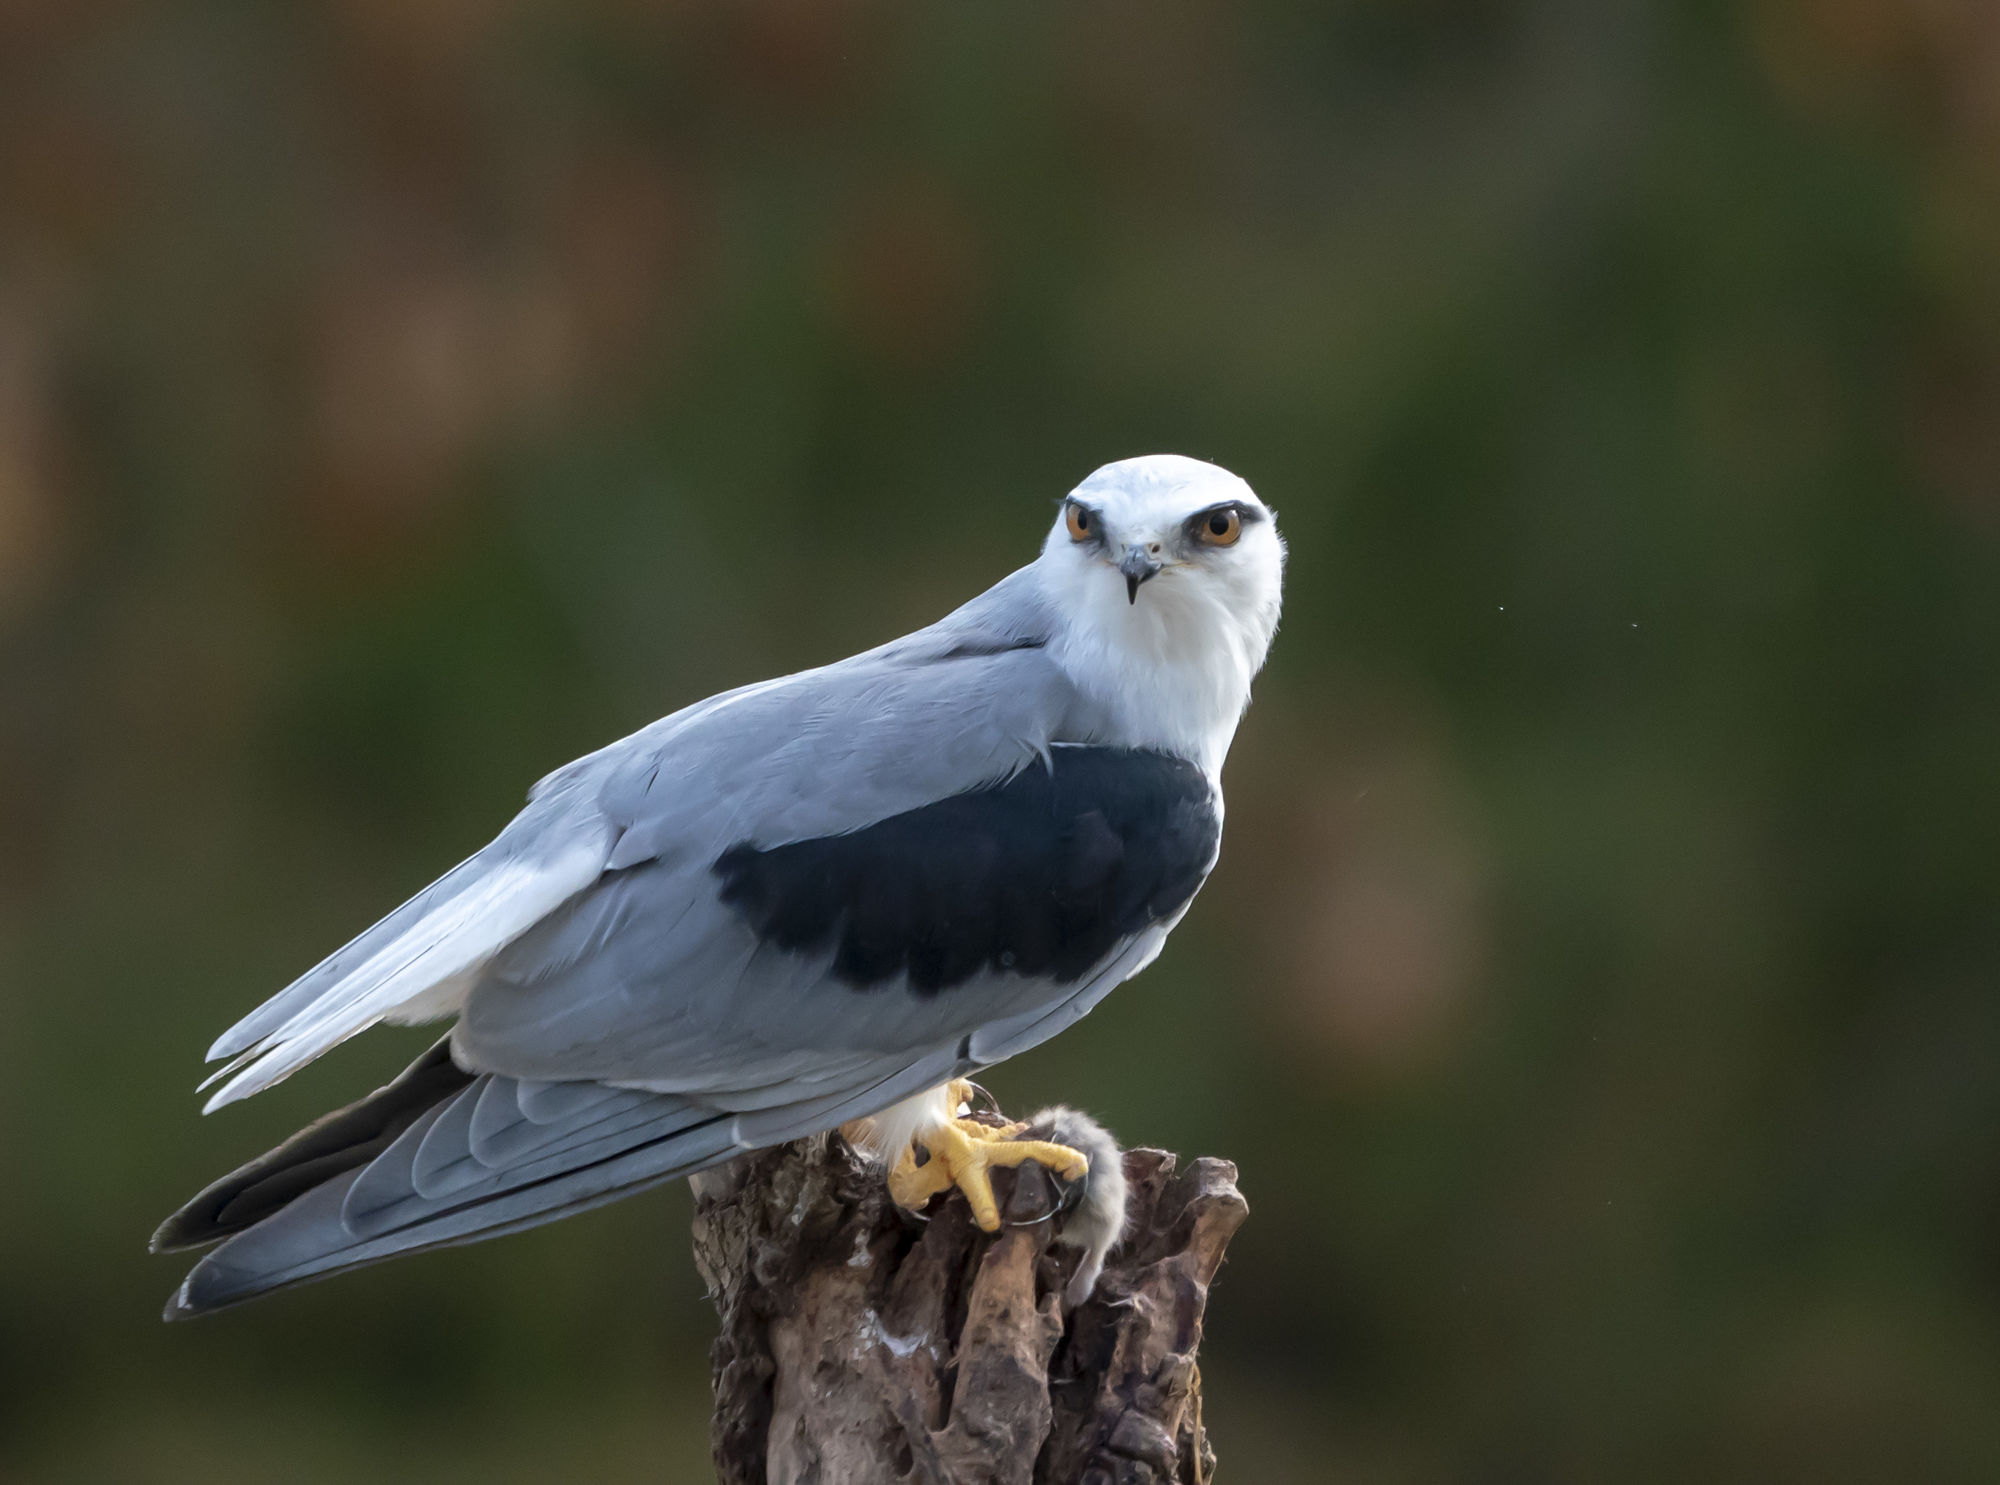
pixel 268 1046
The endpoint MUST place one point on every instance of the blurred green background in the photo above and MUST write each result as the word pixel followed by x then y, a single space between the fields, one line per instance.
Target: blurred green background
pixel 400 397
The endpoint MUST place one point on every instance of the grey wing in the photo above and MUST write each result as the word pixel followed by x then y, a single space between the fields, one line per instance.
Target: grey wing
pixel 811 973
pixel 744 983
pixel 967 701
pixel 766 953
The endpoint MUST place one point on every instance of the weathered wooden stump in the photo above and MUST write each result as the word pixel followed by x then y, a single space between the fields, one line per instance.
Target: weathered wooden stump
pixel 860 1346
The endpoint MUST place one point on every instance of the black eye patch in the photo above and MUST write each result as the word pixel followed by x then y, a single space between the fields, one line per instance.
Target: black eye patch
pixel 1084 523
pixel 1246 515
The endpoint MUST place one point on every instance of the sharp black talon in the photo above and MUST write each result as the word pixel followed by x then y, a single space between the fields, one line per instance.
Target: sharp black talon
pixel 992 1103
pixel 1068 1193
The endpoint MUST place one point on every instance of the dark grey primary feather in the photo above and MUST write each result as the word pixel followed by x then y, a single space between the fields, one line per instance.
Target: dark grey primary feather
pixel 331 1144
pixel 490 1154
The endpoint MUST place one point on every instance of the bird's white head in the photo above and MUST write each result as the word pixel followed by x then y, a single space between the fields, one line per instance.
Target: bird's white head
pixel 1168 574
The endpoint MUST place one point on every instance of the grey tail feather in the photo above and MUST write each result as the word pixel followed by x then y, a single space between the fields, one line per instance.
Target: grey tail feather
pixel 438 1157
pixel 325 1148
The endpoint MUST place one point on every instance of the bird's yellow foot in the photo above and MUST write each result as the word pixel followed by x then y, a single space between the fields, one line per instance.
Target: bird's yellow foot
pixel 961 1154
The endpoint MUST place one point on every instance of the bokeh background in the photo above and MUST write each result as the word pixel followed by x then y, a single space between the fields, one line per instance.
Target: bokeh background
pixel 400 397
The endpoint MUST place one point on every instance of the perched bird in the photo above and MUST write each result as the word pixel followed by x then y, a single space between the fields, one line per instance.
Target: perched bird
pixel 796 905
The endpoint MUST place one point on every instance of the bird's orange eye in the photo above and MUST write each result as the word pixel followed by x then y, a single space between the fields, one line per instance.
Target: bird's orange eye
pixel 1220 527
pixel 1082 522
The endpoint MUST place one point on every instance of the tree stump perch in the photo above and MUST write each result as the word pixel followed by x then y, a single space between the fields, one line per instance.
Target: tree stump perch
pixel 861 1346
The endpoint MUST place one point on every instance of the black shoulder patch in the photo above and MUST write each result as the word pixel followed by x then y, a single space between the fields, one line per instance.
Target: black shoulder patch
pixel 1041 875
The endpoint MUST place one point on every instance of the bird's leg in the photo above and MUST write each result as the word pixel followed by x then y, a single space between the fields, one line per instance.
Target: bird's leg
pixel 962 1153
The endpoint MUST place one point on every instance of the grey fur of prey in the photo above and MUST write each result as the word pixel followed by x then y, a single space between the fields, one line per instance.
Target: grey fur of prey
pixel 1094 1222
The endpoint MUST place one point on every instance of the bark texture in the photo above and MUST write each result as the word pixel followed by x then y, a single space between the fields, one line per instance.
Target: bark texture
pixel 861 1346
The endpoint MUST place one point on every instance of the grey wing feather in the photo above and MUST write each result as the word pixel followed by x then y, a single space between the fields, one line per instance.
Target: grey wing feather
pixel 309 986
pixel 833 751
pixel 399 1203
pixel 823 751
pixel 647 976
pixel 481 1163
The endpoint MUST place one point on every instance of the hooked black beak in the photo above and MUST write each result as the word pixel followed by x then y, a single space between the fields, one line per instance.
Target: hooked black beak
pixel 1139 566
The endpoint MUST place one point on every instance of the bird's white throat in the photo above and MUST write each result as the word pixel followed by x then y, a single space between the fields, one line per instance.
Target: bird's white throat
pixel 1171 669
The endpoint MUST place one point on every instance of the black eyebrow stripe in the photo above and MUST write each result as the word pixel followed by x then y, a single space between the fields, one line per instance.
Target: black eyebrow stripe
pixel 1247 514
